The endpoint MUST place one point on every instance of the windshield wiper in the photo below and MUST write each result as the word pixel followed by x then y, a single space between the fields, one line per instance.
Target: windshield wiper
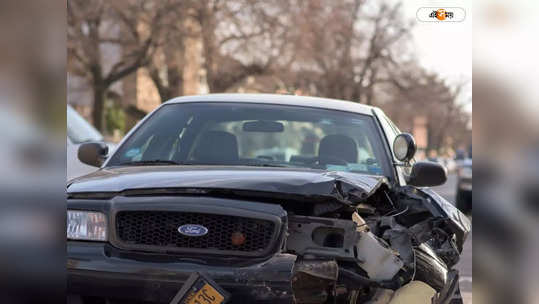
pixel 156 162
pixel 151 162
pixel 268 165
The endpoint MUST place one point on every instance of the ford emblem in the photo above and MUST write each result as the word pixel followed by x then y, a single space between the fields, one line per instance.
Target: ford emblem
pixel 192 230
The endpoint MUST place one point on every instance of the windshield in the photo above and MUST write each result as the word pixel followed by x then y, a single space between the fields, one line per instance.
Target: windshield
pixel 79 130
pixel 234 134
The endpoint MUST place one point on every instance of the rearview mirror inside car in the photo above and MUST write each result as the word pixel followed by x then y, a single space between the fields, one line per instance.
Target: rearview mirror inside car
pixel 427 174
pixel 93 153
pixel 263 126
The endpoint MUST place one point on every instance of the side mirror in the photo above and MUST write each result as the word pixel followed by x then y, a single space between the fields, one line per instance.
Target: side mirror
pixel 404 147
pixel 93 153
pixel 427 174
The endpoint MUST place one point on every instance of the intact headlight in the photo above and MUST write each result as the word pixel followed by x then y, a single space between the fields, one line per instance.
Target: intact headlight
pixel 86 225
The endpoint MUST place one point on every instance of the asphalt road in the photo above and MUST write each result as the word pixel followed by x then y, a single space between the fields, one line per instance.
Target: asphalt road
pixel 448 191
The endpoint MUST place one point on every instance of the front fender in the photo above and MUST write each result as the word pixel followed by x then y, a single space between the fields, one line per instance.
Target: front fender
pixel 459 221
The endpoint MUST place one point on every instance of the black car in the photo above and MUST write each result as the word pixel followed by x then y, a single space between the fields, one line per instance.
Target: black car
pixel 195 190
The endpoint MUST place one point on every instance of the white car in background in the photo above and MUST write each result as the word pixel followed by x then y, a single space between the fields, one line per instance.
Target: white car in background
pixel 79 131
pixel 450 164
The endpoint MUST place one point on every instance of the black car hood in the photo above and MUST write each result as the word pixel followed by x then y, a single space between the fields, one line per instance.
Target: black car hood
pixel 291 183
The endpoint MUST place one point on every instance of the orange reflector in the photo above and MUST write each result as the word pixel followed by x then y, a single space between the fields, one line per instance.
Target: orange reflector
pixel 237 238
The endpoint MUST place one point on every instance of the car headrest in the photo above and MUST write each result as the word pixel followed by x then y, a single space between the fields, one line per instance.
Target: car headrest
pixel 217 147
pixel 338 146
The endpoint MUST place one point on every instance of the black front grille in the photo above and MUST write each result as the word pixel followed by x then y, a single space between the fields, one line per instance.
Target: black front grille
pixel 159 229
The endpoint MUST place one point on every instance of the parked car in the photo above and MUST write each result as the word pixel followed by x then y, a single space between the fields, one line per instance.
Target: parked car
pixel 450 164
pixel 464 186
pixel 185 194
pixel 79 131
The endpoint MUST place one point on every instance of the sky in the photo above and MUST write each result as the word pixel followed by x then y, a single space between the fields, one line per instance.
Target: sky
pixel 445 48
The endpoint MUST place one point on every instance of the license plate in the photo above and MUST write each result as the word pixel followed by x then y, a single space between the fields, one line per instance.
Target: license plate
pixel 199 289
pixel 206 295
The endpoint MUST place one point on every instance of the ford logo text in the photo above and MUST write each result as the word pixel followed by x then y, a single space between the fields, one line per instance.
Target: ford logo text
pixel 192 230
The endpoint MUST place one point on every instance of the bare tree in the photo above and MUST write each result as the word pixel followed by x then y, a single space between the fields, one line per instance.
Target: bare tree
pixel 350 49
pixel 339 48
pixel 166 68
pixel 166 73
pixel 425 94
pixel 231 33
pixel 241 38
pixel 346 48
pixel 134 28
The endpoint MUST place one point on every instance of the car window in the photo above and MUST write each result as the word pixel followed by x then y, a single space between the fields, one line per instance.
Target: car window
pixel 257 135
pixel 283 146
pixel 159 138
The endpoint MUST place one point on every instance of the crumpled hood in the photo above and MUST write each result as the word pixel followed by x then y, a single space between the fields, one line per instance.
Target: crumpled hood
pixel 345 187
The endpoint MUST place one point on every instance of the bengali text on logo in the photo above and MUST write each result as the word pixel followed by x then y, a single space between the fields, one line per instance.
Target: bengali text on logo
pixel 437 14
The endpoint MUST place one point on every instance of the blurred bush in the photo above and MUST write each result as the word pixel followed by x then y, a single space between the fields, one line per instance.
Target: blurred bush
pixel 115 118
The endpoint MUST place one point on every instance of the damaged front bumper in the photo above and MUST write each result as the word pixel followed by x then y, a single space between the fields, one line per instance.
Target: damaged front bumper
pixel 332 252
pixel 94 270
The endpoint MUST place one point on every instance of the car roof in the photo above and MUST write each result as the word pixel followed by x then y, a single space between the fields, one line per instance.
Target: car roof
pixel 293 100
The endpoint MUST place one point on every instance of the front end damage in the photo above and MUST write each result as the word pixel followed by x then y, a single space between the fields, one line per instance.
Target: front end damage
pixel 380 245
pixel 344 261
pixel 344 238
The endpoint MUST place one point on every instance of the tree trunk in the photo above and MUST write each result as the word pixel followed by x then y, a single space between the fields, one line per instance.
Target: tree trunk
pixel 99 105
pixel 175 79
pixel 174 87
pixel 207 22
